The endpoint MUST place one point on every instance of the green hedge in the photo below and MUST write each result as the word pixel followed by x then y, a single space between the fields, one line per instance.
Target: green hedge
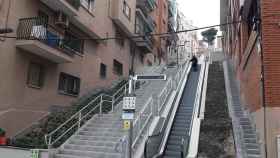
pixel 34 138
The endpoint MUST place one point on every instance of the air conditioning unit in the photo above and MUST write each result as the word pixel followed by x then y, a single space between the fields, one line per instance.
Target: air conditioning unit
pixel 61 20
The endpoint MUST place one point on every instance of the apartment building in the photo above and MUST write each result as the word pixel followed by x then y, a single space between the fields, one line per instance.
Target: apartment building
pixel 186 44
pixel 144 25
pixel 59 53
pixel 173 21
pixel 253 47
pixel 160 15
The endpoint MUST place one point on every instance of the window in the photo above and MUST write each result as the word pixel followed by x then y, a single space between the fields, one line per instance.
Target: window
pixel 126 10
pixel 69 84
pixel 103 70
pixel 73 43
pixel 35 75
pixel 87 4
pixel 118 68
pixel 120 38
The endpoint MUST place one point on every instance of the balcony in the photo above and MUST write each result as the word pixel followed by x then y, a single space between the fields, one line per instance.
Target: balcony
pixel 171 10
pixel 123 15
pixel 145 43
pixel 36 36
pixel 146 5
pixel 171 24
pixel 151 23
pixel 148 21
pixel 69 7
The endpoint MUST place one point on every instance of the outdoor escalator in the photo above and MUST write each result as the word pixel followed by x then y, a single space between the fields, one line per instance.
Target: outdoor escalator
pixel 183 118
pixel 179 135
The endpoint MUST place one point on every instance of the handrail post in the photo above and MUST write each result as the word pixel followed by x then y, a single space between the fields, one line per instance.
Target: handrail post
pixel 79 120
pixel 100 105
pixel 156 106
pixel 113 102
pixel 125 90
pixel 49 142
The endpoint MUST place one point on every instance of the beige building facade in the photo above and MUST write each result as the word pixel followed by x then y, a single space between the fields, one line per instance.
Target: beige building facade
pixel 62 49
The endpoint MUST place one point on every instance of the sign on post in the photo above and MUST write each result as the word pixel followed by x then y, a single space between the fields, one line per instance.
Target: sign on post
pixel 129 107
pixel 126 125
pixel 35 153
pixel 129 103
pixel 150 77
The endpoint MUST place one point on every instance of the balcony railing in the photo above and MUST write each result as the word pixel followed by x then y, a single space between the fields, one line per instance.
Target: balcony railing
pixel 37 28
pixel 145 41
pixel 151 22
pixel 146 5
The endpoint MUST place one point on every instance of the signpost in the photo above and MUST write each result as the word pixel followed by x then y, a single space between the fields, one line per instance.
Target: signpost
pixel 35 153
pixel 129 106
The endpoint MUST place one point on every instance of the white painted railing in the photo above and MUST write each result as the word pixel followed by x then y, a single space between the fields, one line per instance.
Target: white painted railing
pixel 140 123
pixel 163 95
pixel 75 122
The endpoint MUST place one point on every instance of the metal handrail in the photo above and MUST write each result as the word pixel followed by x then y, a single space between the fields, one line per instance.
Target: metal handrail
pixel 165 91
pixel 150 114
pixel 79 116
pixel 137 135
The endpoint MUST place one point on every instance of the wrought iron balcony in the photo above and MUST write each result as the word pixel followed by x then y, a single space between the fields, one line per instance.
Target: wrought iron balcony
pixel 35 35
pixel 144 42
pixel 146 5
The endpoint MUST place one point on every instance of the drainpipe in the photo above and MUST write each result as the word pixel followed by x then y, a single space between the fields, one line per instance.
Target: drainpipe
pixel 259 29
pixel 133 52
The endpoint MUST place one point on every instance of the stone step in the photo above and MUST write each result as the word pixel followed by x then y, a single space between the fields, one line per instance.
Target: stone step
pixel 97 138
pixel 251 136
pixel 253 151
pixel 249 140
pixel 70 156
pixel 106 134
pixel 90 154
pixel 252 146
pixel 109 143
pixel 89 148
pixel 94 129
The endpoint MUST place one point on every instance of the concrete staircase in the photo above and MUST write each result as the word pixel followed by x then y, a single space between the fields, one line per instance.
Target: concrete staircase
pixel 99 136
pixel 246 130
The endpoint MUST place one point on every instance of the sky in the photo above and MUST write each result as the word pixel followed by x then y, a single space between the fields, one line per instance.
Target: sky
pixel 202 12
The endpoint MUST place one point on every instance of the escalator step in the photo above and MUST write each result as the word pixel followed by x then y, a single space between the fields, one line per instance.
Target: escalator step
pixel 173 153
pixel 176 148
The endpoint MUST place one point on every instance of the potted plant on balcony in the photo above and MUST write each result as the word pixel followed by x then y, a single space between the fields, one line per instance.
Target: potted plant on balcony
pixel 3 139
